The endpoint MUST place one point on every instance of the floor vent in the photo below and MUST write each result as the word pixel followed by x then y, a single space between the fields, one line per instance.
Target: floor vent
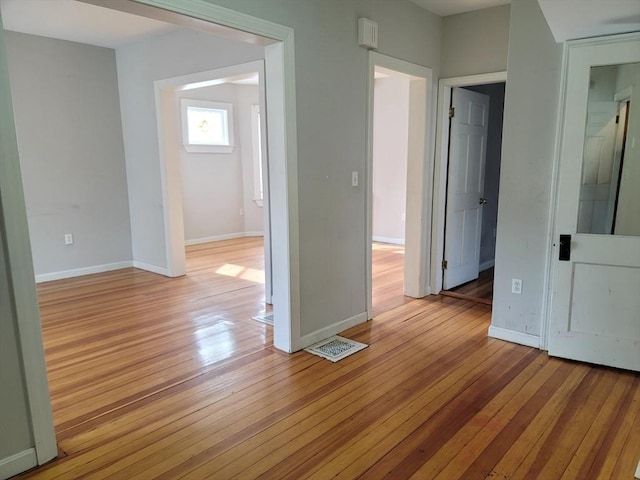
pixel 335 348
pixel 264 318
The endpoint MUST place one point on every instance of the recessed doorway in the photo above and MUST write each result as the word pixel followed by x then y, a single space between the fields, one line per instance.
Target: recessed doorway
pixel 467 183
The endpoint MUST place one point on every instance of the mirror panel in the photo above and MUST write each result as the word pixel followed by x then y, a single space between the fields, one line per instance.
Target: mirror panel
pixel 610 187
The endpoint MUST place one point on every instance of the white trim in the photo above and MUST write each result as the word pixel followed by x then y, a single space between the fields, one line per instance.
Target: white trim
pixel 514 337
pixel 78 272
pixel 555 172
pixel 487 265
pixel 226 236
pixel 257 148
pixel 334 329
pixel 151 268
pixel 441 162
pixel 419 173
pixel 391 240
pixel 18 463
pixel 282 175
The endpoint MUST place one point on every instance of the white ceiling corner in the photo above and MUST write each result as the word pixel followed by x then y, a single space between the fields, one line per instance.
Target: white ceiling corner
pixel 573 19
pixel 445 8
pixel 79 22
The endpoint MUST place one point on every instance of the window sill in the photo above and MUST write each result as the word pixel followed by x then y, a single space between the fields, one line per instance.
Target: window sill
pixel 209 148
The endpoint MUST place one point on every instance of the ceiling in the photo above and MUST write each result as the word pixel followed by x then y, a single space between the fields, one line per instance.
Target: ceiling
pixel 571 19
pixel 86 23
pixel 453 7
pixel 79 22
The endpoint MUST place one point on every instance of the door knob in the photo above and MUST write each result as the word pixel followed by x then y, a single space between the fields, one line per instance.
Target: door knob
pixel 482 201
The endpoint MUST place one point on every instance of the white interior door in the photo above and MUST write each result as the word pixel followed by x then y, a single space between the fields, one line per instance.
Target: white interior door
pixel 465 186
pixel 595 289
pixel 599 146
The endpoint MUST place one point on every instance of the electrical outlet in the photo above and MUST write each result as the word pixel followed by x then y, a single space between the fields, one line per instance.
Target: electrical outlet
pixel 354 179
pixel 516 286
pixel 68 239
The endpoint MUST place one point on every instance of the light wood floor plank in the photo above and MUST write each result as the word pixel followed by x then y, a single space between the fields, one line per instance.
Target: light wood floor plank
pixel 170 378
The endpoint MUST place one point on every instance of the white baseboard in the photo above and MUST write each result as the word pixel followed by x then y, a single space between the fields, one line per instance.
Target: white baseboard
pixel 331 330
pixel 392 240
pixel 151 268
pixel 18 463
pixel 78 272
pixel 487 265
pixel 514 337
pixel 226 236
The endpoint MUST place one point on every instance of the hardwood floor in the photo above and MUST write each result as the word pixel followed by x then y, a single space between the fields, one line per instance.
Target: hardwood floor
pixel 168 379
pixel 479 290
pixel 387 271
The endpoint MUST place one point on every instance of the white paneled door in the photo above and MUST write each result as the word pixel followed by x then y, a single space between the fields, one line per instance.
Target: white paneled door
pixel 465 186
pixel 595 284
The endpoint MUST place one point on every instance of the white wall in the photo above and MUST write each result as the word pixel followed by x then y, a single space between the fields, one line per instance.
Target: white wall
pixel 492 170
pixel 475 42
pixel 139 65
pixel 216 187
pixel 530 118
pixel 71 152
pixel 390 149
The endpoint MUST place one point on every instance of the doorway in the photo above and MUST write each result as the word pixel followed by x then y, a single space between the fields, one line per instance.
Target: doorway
pixel 473 281
pixel 389 194
pixel 279 72
pixel 222 189
pixel 398 217
pixel 477 282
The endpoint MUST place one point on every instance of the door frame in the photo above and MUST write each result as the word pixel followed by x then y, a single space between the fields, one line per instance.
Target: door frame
pixel 441 165
pixel 282 152
pixel 419 173
pixel 170 172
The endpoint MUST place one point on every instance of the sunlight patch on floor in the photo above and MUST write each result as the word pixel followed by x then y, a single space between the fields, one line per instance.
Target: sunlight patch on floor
pixel 244 273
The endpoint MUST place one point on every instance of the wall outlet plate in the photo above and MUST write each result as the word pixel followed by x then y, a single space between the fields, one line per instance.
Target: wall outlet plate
pixel 516 286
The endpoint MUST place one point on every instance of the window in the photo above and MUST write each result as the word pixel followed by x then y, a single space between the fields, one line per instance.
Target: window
pixel 207 127
pixel 256 140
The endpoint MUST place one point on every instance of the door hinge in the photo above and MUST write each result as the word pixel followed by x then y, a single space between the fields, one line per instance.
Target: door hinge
pixel 444 264
pixel 617 119
pixel 452 112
